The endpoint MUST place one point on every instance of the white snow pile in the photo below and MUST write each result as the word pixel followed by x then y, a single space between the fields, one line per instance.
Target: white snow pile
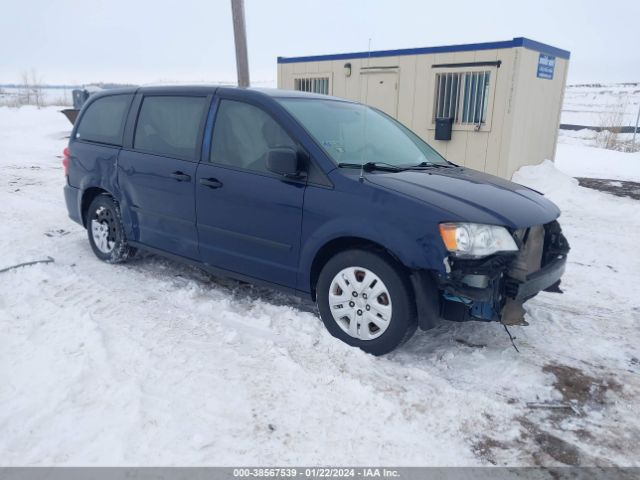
pixel 546 178
pixel 155 363
pixel 582 161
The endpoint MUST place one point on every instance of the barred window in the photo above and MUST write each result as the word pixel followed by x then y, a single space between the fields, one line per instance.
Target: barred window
pixel 462 96
pixel 312 84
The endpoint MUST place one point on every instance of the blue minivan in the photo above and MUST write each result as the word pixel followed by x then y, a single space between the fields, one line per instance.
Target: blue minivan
pixel 314 195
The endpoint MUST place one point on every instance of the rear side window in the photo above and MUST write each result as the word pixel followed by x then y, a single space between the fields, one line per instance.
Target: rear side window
pixel 243 135
pixel 103 121
pixel 170 125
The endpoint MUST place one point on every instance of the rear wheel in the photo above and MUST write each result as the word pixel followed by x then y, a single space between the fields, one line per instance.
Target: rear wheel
pixel 105 230
pixel 366 301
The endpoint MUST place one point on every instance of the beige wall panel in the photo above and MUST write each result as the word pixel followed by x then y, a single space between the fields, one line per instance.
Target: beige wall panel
pixel 339 83
pixel 457 146
pixel 476 149
pixel 535 124
pixel 500 127
pixel 423 97
pixel 518 102
pixel 314 67
pixel 406 89
pixel 565 71
pixel 379 61
pixel 299 67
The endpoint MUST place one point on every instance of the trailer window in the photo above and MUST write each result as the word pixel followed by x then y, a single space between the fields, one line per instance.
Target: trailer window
pixel 462 96
pixel 312 84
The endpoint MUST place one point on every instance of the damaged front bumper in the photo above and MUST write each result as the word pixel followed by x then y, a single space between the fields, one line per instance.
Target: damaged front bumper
pixel 494 288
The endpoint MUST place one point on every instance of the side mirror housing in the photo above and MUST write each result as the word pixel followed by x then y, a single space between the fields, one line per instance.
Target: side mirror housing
pixel 283 161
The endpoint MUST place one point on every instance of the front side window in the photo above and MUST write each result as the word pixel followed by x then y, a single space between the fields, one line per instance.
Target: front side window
pixel 353 133
pixel 103 121
pixel 170 125
pixel 244 134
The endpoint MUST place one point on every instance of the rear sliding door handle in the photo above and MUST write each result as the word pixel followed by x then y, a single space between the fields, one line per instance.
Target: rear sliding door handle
pixel 211 182
pixel 181 177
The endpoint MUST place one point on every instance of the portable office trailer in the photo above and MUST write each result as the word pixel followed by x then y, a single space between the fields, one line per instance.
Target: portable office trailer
pixel 490 106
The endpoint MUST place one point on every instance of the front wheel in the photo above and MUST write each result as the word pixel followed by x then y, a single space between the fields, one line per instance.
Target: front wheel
pixel 105 230
pixel 366 301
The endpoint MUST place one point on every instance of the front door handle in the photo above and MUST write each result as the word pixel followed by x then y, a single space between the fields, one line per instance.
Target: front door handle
pixel 211 182
pixel 181 177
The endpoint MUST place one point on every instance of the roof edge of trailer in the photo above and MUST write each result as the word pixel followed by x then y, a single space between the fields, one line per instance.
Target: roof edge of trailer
pixel 516 42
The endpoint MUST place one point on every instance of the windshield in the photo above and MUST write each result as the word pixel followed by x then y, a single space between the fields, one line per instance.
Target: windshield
pixel 341 129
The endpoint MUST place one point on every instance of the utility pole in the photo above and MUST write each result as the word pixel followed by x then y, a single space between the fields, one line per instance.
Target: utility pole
pixel 635 130
pixel 240 36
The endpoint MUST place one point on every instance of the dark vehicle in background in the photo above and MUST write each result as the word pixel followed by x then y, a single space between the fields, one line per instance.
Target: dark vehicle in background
pixel 80 96
pixel 312 195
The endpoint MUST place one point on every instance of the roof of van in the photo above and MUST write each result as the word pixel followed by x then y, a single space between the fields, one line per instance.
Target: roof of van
pixel 210 89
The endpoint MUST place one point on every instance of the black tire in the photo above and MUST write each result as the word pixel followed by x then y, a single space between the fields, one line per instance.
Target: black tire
pixel 403 321
pixel 105 210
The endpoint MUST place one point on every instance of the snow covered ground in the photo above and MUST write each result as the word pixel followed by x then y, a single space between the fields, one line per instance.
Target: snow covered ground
pixel 156 363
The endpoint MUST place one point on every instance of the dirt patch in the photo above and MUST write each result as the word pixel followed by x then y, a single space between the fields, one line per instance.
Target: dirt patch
pixel 469 344
pixel 549 444
pixel 577 386
pixel 484 449
pixel 619 188
pixel 549 430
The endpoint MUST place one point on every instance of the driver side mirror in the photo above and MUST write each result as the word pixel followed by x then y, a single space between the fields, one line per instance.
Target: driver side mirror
pixel 283 161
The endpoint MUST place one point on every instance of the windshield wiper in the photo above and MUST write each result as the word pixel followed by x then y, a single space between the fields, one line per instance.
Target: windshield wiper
pixel 371 166
pixel 431 165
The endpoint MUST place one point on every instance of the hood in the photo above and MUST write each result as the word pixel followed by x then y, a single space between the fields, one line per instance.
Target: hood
pixel 468 195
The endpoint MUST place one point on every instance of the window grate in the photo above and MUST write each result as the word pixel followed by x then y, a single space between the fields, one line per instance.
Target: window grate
pixel 462 96
pixel 312 84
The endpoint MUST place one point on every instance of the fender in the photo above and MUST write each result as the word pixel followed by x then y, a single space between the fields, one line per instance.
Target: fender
pixel 414 241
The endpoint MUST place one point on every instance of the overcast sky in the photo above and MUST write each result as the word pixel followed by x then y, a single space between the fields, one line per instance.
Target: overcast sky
pixel 144 41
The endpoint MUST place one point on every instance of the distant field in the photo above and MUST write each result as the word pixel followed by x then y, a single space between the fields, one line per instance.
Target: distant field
pixel 9 96
pixel 595 104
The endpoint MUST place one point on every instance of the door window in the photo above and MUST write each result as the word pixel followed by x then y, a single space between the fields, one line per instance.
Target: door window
pixel 243 135
pixel 170 125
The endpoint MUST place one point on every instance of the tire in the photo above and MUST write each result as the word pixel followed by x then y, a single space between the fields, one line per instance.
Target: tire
pixel 381 316
pixel 105 231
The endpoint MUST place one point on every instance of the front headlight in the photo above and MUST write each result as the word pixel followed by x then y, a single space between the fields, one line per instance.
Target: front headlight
pixel 476 240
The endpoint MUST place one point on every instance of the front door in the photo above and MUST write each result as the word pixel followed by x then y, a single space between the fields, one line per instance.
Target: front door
pixel 249 219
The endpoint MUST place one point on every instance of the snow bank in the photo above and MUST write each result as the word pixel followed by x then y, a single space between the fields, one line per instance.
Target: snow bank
pixel 583 161
pixel 546 178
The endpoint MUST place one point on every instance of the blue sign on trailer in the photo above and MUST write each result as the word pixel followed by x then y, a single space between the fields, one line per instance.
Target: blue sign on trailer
pixel 546 65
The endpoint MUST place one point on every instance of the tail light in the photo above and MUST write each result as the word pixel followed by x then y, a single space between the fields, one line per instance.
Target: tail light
pixel 65 161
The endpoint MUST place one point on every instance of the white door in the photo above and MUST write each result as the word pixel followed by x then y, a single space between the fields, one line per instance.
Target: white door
pixel 380 90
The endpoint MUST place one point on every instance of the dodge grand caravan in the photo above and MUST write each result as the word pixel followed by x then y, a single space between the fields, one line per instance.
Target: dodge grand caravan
pixel 317 196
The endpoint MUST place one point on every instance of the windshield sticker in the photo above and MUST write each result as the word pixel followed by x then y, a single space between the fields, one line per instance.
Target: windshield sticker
pixel 337 146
